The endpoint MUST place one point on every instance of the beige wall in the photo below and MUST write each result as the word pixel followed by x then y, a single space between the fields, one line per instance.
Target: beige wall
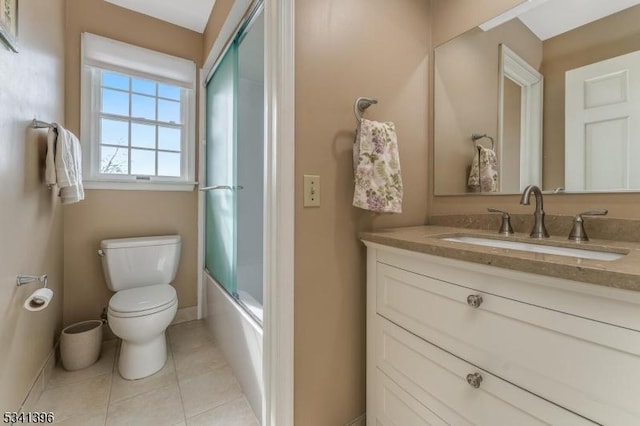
pixel 612 36
pixel 466 92
pixel 346 49
pixel 619 205
pixel 30 214
pixel 453 17
pixel 120 214
pixel 219 13
pixel 112 214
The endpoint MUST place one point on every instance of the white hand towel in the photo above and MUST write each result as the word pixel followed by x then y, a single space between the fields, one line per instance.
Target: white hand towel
pixel 68 166
pixel 378 182
pixel 483 176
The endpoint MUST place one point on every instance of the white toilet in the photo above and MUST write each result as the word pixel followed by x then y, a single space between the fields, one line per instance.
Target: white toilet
pixel 140 271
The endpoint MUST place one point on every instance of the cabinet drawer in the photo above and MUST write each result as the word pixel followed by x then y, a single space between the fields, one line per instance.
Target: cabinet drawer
pixel 396 407
pixel 587 366
pixel 439 381
pixel 604 304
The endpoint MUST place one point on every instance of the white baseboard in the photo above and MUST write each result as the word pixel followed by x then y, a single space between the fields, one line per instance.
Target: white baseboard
pixel 361 420
pixel 40 383
pixel 185 315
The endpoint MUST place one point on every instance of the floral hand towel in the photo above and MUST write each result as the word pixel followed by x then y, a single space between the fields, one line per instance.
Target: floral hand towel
pixel 376 163
pixel 484 171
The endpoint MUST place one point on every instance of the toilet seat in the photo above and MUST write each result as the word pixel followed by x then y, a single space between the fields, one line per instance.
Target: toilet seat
pixel 142 301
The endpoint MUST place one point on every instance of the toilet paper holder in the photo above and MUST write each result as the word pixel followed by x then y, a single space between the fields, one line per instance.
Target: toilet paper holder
pixel 26 279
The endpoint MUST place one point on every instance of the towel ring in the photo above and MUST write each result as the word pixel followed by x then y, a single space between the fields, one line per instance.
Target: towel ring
pixel 360 105
pixel 477 136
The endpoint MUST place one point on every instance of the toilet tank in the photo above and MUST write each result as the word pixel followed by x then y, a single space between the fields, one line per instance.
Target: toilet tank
pixel 139 262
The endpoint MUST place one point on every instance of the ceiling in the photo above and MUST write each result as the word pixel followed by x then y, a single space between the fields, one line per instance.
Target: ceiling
pixel 191 14
pixel 549 18
pixel 554 17
pixel 546 18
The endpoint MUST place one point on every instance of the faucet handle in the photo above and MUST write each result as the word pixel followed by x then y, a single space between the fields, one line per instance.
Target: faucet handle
pixel 505 227
pixel 597 212
pixel 577 232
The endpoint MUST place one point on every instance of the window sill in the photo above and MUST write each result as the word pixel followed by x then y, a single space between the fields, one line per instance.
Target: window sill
pixel 139 186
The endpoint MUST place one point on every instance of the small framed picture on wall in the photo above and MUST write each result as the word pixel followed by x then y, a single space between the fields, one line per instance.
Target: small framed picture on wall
pixel 9 23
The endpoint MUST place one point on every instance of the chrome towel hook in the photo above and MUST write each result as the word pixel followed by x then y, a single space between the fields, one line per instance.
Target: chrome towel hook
pixel 360 105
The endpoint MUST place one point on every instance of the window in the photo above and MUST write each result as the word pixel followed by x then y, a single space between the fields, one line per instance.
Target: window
pixel 137 117
pixel 140 125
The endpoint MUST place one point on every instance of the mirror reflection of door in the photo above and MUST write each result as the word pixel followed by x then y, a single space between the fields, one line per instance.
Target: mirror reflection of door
pixel 602 133
pixel 510 140
pixel 519 122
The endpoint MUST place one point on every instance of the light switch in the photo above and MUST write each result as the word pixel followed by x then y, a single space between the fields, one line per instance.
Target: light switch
pixel 311 191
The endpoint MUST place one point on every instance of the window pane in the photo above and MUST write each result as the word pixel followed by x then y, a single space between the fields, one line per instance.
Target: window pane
pixel 114 102
pixel 117 81
pixel 166 91
pixel 169 138
pixel 143 107
pixel 143 162
pixel 168 111
pixel 168 164
pixel 143 86
pixel 143 135
pixel 114 132
pixel 114 160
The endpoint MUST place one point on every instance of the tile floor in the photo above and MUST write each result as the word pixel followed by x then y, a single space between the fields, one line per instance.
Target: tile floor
pixel 195 387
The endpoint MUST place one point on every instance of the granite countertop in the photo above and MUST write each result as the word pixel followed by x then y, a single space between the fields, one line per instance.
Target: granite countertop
pixel 622 273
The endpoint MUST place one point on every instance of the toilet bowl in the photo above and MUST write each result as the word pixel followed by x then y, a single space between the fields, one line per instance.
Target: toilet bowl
pixel 140 317
pixel 140 271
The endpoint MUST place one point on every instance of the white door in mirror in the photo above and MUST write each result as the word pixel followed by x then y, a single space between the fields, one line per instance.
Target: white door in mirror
pixel 602 131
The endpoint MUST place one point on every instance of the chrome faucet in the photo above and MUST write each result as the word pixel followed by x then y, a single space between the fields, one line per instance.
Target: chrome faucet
pixel 539 230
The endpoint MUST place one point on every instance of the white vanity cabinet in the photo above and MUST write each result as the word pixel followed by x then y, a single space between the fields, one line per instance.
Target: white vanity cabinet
pixel 454 342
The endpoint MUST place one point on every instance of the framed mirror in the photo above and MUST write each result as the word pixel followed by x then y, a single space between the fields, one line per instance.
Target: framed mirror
pixel 555 83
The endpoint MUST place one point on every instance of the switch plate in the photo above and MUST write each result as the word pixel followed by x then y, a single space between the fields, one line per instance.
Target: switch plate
pixel 311 191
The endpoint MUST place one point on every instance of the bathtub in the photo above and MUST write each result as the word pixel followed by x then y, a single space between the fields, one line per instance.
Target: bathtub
pixel 239 336
pixel 251 304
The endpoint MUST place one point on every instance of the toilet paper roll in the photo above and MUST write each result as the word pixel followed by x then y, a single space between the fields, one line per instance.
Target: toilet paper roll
pixel 38 300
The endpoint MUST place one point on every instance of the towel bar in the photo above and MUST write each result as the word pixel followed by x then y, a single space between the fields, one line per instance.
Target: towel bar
pixel 211 188
pixel 37 124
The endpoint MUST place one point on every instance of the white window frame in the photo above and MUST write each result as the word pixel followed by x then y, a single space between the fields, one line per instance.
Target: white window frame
pixel 103 54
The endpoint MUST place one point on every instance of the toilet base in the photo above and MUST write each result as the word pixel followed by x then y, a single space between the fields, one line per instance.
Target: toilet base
pixel 140 360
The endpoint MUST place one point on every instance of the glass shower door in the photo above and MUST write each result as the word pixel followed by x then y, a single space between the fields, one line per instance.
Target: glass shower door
pixel 250 166
pixel 221 201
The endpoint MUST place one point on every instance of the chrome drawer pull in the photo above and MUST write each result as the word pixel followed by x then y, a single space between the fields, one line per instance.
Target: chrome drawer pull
pixel 474 300
pixel 474 380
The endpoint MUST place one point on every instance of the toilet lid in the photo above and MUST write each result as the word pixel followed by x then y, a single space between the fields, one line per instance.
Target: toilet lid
pixel 142 298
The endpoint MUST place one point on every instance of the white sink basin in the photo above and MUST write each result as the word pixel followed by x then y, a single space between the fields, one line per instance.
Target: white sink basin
pixel 537 248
